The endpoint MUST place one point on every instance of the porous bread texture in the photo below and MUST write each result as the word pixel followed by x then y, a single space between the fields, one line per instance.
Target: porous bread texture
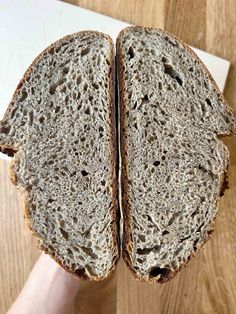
pixel 60 123
pixel 173 163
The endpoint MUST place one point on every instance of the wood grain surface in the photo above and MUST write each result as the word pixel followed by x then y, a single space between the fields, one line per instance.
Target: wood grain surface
pixel 208 284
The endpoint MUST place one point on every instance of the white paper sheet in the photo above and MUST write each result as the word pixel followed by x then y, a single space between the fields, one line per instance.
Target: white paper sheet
pixel 29 26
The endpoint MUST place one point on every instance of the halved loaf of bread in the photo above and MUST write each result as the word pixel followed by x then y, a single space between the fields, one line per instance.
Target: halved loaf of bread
pixel 60 127
pixel 173 163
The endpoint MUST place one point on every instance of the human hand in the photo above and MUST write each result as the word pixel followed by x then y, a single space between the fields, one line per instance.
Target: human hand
pixel 49 289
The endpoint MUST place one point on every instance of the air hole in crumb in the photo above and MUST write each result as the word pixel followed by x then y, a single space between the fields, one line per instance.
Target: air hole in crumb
pixel 144 100
pixel 156 163
pixel 50 200
pixel 66 70
pixel 79 80
pixel 209 102
pixel 165 232
pixel 85 87
pixel 24 95
pixel 131 52
pixel 31 117
pixel 200 227
pixel 139 260
pixel 196 212
pixel 185 238
pixel 58 48
pixel 72 189
pixel 164 273
pixel 226 118
pixel 75 219
pixel 41 119
pixel 88 251
pixel 149 219
pixel 62 223
pixel 144 251
pixel 63 90
pixel 13 113
pixel 165 60
pixel 84 173
pixel 170 71
pixel 28 188
pixel 66 98
pixel 95 85
pixel 85 51
pixel 69 251
pixel 51 51
pixel 57 109
pixel 87 110
pixel 195 244
pixel 81 273
pixel 173 218
pixel 206 84
pixel 151 139
pixel 64 234
pixel 52 89
pixel 141 237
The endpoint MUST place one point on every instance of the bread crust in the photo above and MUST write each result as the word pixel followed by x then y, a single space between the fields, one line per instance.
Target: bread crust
pixel 127 239
pixel 11 151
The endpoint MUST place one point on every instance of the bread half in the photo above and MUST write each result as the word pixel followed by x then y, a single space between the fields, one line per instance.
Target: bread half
pixel 60 127
pixel 173 163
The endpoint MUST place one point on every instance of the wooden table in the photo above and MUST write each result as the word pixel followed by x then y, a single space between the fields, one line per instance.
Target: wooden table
pixel 208 283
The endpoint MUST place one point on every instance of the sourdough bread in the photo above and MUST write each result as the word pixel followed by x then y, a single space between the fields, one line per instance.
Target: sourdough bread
pixel 173 163
pixel 60 128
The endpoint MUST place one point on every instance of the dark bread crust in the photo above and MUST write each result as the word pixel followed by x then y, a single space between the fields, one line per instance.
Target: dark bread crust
pixel 127 236
pixel 11 151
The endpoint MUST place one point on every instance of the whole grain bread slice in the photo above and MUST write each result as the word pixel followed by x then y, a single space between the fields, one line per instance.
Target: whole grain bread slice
pixel 60 127
pixel 173 163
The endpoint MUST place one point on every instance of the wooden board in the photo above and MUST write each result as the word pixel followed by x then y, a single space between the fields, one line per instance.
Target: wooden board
pixel 208 284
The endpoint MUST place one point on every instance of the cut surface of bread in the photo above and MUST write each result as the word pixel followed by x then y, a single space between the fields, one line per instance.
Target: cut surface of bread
pixel 173 163
pixel 60 128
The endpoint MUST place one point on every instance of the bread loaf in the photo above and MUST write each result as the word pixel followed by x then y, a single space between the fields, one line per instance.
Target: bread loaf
pixel 174 164
pixel 60 128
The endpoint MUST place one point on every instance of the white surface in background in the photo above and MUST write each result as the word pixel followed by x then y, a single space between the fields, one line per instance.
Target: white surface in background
pixel 28 26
